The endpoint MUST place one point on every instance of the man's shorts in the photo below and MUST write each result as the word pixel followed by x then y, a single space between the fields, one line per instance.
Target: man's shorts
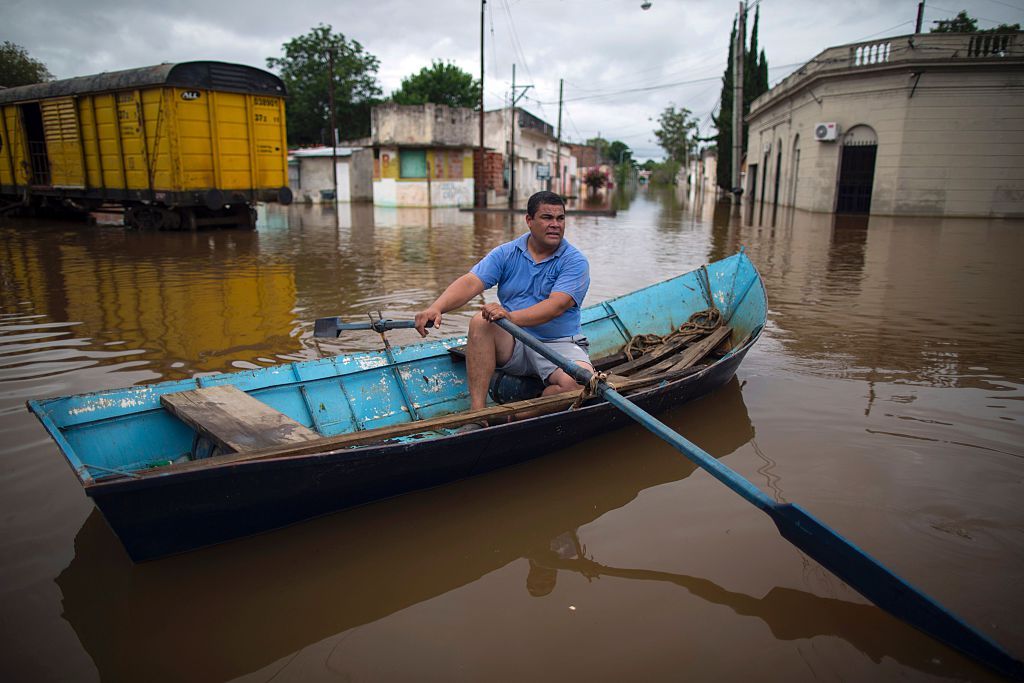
pixel 528 363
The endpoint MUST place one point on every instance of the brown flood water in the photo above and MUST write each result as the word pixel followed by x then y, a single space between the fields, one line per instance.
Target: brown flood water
pixel 885 398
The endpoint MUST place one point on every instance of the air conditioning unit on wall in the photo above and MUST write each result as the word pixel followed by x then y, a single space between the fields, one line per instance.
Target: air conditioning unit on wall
pixel 826 132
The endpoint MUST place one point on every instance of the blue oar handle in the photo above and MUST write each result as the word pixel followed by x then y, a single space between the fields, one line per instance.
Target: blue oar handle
pixel 862 572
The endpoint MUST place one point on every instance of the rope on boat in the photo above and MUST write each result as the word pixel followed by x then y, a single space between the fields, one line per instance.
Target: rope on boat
pixel 705 322
pixel 589 389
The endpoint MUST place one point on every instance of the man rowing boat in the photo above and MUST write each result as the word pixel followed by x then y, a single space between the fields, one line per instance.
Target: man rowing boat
pixel 542 280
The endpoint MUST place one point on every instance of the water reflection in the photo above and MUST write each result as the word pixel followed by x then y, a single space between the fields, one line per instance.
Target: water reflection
pixel 790 614
pixel 232 601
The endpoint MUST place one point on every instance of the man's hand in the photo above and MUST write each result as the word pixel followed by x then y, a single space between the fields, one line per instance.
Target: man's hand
pixel 432 315
pixel 492 312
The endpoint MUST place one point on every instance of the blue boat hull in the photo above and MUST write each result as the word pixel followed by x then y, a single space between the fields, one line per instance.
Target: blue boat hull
pixel 198 506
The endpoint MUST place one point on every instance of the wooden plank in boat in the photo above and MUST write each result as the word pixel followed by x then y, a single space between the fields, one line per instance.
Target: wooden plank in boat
pixel 662 351
pixel 689 356
pixel 234 420
pixel 531 407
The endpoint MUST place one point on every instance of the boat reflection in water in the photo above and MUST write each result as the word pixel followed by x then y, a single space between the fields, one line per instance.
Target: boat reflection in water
pixel 221 612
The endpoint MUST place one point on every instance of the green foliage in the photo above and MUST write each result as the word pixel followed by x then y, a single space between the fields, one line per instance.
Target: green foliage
pixel 964 23
pixel 961 23
pixel 677 133
pixel 440 83
pixel 304 70
pixel 665 173
pixel 619 152
pixel 755 83
pixel 17 68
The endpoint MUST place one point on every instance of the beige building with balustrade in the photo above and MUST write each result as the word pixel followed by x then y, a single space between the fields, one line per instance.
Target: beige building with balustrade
pixel 925 125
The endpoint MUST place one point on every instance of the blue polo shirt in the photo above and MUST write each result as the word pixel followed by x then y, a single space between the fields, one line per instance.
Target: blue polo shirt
pixel 523 283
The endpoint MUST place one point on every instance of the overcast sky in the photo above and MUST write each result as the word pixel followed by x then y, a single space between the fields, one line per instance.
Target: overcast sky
pixel 622 65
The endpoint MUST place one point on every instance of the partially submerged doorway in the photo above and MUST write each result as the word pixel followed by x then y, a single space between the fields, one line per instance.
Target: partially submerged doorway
pixel 857 170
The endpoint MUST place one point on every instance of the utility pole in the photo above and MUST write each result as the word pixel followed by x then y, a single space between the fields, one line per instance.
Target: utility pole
pixel 920 16
pixel 481 173
pixel 334 128
pixel 737 102
pixel 558 148
pixel 512 150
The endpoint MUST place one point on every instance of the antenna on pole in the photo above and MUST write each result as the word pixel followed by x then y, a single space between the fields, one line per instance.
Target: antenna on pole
pixel 512 149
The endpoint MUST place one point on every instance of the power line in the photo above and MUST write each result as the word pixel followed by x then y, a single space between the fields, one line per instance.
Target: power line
pixel 1006 4
pixel 955 12
pixel 519 50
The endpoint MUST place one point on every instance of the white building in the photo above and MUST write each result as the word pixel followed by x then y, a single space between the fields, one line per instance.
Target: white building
pixel 536 157
pixel 311 180
pixel 925 124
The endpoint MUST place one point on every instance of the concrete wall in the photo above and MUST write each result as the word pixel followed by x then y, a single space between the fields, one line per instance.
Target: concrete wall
pixel 427 125
pixel 449 181
pixel 949 121
pixel 313 174
pixel 361 175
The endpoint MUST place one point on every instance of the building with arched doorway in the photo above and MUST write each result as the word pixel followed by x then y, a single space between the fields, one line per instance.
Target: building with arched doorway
pixel 924 124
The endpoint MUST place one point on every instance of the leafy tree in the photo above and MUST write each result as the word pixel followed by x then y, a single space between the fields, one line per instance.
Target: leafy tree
pixel 665 173
pixel 17 68
pixel 619 152
pixel 304 70
pixel 964 23
pixel 755 83
pixel 677 134
pixel 961 23
pixel 440 83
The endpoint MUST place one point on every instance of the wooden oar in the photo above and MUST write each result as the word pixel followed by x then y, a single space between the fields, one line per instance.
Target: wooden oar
pixel 333 327
pixel 862 572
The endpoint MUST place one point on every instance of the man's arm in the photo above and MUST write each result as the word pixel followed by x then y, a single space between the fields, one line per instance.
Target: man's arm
pixel 457 294
pixel 537 314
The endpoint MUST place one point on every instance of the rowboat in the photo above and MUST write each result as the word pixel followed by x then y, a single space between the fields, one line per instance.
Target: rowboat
pixel 182 464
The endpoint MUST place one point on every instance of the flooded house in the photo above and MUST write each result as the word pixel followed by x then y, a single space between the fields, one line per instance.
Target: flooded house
pixel 423 155
pixel 913 125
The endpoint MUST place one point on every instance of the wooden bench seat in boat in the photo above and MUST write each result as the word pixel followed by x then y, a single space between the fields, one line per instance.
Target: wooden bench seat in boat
pixel 234 420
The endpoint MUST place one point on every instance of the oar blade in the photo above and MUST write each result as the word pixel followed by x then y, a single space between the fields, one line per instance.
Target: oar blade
pixel 325 327
pixel 881 586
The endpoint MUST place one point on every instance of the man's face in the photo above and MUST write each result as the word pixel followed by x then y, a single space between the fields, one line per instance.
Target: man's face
pixel 547 226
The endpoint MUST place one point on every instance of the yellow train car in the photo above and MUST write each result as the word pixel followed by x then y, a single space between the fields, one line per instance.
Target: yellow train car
pixel 179 146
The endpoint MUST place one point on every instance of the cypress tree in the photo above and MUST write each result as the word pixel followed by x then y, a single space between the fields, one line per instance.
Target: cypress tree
pixel 723 122
pixel 755 83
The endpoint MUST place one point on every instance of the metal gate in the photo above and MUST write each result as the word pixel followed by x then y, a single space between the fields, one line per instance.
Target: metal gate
pixel 857 171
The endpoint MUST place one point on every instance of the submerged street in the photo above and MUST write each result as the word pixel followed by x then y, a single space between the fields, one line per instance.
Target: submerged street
pixel 885 397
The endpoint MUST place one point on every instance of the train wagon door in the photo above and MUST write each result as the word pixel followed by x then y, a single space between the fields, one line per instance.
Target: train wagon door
pixel 63 142
pixel 39 161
